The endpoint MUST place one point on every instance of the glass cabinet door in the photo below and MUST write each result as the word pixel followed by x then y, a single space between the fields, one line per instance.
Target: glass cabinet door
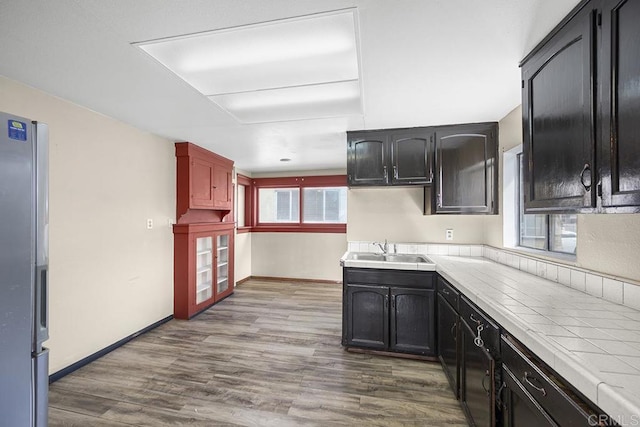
pixel 222 264
pixel 204 269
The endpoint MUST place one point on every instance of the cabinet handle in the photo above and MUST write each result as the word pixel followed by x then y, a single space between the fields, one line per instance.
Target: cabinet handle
pixel 393 303
pixel 395 172
pixel 526 379
pixel 487 374
pixel 439 200
pixel 499 395
pixel 454 328
pixel 386 176
pixel 444 291
pixel 586 171
pixel 386 301
pixel 473 319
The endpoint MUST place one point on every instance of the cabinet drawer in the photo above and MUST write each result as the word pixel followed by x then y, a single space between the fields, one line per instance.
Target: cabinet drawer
pixel 448 292
pixel 406 278
pixel 473 317
pixel 547 390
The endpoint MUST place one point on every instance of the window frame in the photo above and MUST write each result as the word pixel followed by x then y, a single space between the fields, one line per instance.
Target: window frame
pixel 300 182
pixel 247 183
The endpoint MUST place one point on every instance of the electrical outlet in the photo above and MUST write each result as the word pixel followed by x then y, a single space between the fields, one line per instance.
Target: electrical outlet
pixel 149 224
pixel 449 234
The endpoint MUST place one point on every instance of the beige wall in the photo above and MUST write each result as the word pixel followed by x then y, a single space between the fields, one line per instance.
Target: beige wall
pixel 298 255
pixel 109 275
pixel 242 255
pixel 312 256
pixel 396 214
pixel 610 244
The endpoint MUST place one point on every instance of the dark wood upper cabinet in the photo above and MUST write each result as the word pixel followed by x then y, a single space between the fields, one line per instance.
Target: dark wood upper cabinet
pixel 620 101
pixel 411 156
pixel 367 158
pixel 390 157
pixel 557 110
pixel 581 112
pixel 466 175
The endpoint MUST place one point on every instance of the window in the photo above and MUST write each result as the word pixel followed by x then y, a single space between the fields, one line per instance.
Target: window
pixel 325 205
pixel 279 205
pixel 310 204
pixel 554 233
pixel 243 208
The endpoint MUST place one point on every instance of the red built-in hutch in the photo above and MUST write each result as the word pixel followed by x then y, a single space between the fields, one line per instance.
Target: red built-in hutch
pixel 204 232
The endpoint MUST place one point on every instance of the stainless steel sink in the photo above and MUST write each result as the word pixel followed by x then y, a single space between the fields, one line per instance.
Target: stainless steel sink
pixel 406 258
pixel 362 256
pixel 365 256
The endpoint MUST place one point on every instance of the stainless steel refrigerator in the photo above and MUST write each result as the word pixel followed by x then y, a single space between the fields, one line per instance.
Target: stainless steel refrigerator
pixel 24 259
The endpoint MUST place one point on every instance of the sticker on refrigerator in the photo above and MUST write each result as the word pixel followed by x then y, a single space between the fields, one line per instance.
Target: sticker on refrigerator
pixel 17 130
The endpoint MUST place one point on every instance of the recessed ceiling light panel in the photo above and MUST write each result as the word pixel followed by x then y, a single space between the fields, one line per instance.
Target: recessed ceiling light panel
pixel 267 61
pixel 293 103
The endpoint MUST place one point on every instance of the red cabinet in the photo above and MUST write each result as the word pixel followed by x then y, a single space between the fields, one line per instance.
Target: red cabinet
pixel 204 233
pixel 203 266
pixel 204 188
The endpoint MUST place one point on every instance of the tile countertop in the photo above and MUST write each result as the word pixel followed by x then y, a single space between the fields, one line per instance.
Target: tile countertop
pixel 593 343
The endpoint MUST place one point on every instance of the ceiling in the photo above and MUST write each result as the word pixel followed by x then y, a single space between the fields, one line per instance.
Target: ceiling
pixel 422 62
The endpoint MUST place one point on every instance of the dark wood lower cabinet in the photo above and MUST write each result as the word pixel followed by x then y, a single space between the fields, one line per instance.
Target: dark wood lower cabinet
pixel 389 310
pixel 533 390
pixel 367 316
pixel 519 409
pixel 478 388
pixel 412 320
pixel 447 321
pixel 497 380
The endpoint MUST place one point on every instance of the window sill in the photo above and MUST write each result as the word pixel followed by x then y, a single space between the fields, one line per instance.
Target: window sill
pixel 311 228
pixel 241 230
pixel 553 256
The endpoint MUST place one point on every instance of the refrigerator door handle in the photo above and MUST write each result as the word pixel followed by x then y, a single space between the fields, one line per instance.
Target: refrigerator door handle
pixel 41 315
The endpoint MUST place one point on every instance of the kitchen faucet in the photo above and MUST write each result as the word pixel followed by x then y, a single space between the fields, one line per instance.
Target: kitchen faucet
pixel 383 247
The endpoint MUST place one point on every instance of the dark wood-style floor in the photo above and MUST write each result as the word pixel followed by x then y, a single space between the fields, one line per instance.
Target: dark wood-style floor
pixel 269 355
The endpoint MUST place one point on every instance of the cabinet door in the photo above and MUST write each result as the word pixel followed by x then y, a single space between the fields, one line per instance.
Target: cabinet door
pixel 223 264
pixel 466 169
pixel 222 187
pixel 368 316
pixel 558 119
pixel 448 342
pixel 413 321
pixel 202 184
pixel 411 157
pixel 519 409
pixel 478 389
pixel 367 158
pixel 204 290
pixel 620 148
